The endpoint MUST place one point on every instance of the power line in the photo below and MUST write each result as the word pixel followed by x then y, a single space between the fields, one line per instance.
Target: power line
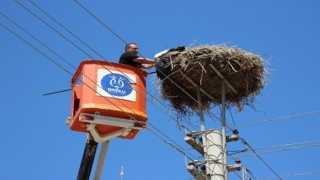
pixel 279 118
pixel 269 167
pixel 66 29
pixel 36 49
pixel 251 174
pixel 291 144
pixel 95 17
pixel 32 36
pixel 53 29
pixel 292 175
pixel 179 149
pixel 282 149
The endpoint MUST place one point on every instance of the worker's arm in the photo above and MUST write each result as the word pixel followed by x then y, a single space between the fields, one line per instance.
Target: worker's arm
pixel 142 60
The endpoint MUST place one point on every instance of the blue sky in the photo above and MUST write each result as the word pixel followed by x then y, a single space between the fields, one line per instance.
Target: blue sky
pixel 36 144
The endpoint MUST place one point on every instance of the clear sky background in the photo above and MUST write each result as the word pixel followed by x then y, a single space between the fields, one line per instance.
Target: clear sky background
pixel 36 144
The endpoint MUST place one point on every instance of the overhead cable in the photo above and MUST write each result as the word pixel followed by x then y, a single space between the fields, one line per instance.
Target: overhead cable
pixel 289 144
pixel 293 175
pixel 36 49
pixel 279 118
pixel 66 29
pixel 32 36
pixel 53 29
pixel 282 149
pixel 84 8
pixel 265 163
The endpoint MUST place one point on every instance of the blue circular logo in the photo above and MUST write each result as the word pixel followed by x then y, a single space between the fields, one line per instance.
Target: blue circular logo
pixel 116 84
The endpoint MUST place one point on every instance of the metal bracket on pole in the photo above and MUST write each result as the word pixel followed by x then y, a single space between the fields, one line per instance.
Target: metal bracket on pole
pixel 193 170
pixel 193 143
pixel 233 137
pixel 235 167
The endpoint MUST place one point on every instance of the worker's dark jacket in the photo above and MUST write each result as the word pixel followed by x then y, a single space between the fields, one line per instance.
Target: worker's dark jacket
pixel 127 58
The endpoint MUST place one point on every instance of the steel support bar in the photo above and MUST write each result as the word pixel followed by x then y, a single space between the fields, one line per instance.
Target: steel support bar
pixel 223 128
pixel 244 173
pixel 201 90
pixel 102 157
pixel 196 145
pixel 87 159
pixel 222 77
pixel 195 85
pixel 112 121
pixel 200 109
pixel 102 138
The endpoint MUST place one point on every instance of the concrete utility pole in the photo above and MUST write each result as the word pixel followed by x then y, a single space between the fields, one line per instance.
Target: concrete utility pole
pixel 212 144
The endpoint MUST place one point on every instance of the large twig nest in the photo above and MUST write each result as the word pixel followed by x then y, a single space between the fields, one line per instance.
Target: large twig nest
pixel 243 70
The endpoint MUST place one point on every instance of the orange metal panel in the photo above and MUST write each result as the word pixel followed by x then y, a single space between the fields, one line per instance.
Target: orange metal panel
pixel 108 89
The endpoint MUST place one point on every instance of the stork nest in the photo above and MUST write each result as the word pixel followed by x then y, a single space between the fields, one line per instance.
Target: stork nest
pixel 182 72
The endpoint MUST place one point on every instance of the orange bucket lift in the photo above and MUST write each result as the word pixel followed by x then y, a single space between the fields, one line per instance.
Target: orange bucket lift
pixel 108 101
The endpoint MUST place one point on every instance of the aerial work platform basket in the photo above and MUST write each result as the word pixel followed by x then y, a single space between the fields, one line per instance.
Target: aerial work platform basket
pixel 108 100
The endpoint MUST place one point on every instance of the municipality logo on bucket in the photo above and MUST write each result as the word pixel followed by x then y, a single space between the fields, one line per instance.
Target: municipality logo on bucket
pixel 116 84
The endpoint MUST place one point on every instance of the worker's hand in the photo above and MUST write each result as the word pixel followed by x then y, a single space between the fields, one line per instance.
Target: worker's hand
pixel 147 66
